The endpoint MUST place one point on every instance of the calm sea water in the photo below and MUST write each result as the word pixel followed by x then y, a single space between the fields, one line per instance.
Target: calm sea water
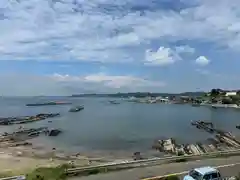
pixel 127 127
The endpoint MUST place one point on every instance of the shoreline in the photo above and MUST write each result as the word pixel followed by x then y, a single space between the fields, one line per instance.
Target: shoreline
pixel 22 159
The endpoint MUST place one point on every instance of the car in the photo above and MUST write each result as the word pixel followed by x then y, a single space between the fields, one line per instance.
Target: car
pixel 203 173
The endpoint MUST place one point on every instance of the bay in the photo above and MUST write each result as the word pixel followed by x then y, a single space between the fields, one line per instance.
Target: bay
pixel 122 128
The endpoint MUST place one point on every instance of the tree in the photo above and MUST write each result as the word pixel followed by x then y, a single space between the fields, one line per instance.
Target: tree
pixel 235 99
pixel 227 101
pixel 215 92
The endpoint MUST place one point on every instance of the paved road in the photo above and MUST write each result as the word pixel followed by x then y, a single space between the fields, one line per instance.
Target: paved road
pixel 227 166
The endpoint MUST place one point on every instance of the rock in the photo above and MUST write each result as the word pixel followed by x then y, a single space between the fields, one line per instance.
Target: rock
pixel 19 153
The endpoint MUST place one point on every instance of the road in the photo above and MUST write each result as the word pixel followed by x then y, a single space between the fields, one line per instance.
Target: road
pixel 227 166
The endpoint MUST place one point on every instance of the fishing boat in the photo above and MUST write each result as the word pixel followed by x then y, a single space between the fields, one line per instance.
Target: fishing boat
pixel 49 103
pixel 114 102
pixel 76 109
pixel 54 132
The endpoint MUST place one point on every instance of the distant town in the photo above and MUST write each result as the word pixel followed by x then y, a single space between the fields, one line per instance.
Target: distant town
pixel 215 97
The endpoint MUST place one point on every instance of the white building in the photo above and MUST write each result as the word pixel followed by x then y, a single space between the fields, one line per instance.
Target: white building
pixel 233 93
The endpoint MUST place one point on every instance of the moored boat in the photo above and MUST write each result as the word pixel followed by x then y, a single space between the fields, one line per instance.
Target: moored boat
pixel 76 109
pixel 114 102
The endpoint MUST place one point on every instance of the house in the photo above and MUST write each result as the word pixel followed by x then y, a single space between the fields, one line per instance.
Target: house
pixel 231 93
pixel 164 100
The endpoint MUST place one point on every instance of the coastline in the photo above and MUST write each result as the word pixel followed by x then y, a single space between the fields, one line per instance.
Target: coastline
pixel 22 159
pixel 221 105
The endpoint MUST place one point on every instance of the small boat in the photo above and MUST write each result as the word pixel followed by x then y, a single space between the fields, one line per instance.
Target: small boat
pixel 54 132
pixel 238 127
pixel 76 109
pixel 114 102
pixel 195 104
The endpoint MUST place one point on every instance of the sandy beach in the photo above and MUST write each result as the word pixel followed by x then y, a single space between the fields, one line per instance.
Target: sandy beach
pixel 22 159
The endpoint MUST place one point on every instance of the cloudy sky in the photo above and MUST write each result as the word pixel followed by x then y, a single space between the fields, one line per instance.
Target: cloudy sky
pixel 60 47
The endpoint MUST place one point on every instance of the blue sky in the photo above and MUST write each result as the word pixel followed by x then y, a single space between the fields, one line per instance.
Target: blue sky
pixel 62 47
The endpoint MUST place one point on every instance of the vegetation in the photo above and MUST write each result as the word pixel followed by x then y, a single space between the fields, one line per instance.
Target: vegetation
pixel 173 177
pixel 44 173
pixel 140 94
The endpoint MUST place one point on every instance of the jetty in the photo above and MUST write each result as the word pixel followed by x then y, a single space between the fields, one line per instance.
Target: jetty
pixel 26 119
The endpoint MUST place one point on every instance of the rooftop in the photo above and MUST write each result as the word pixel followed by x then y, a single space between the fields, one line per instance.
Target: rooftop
pixel 204 170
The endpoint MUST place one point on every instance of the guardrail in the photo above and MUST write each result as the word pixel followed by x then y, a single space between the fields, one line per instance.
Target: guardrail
pixel 14 178
pixel 153 161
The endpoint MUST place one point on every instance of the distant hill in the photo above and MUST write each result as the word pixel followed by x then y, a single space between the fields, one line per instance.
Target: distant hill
pixel 140 94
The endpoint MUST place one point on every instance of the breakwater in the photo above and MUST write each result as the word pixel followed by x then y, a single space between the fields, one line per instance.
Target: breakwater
pixel 221 141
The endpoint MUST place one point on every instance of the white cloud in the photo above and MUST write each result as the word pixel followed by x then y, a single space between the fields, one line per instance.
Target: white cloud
pixel 122 81
pixel 163 56
pixel 202 61
pixel 111 81
pixel 109 30
pixel 64 84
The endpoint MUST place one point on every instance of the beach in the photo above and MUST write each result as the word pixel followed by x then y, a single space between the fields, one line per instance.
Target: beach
pixel 21 160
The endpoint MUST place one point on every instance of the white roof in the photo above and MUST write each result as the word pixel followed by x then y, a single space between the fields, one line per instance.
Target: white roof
pixel 205 170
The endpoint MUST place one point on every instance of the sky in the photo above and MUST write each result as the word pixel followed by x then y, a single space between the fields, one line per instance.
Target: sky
pixel 64 47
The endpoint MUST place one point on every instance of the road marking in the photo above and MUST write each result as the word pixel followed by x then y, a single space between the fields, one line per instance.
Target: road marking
pixel 185 172
pixel 228 165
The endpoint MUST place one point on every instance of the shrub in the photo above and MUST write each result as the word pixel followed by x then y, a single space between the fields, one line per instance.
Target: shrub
pixel 44 173
pixel 181 160
pixel 173 177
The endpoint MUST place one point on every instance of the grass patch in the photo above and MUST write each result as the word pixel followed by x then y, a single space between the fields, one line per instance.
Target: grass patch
pixel 5 174
pixel 173 177
pixel 45 173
